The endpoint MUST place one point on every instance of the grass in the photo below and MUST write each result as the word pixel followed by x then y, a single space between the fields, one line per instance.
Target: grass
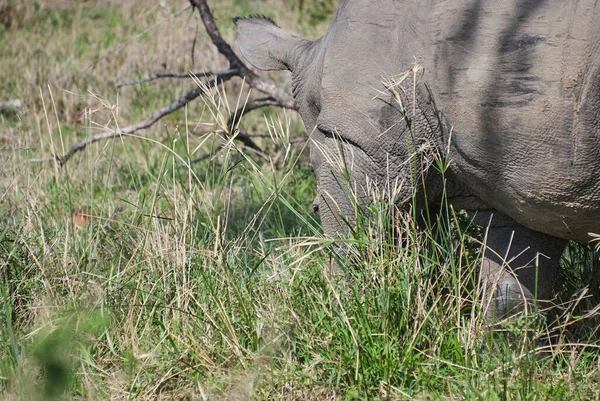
pixel 125 276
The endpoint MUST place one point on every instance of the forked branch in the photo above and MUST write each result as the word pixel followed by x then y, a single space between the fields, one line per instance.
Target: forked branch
pixel 284 99
pixel 275 96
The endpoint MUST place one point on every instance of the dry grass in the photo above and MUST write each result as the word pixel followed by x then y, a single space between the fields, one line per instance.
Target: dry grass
pixel 142 280
pixel 71 68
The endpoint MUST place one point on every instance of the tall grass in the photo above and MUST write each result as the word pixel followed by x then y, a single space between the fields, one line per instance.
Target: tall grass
pixel 130 274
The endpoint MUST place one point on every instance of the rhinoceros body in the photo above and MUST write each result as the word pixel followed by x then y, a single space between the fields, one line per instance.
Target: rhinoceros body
pixel 509 88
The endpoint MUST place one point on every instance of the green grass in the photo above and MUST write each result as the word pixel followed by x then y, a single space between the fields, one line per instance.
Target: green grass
pixel 214 282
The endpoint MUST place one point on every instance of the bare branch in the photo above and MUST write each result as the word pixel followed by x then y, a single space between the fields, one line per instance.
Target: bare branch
pixel 217 39
pixel 235 117
pixel 109 134
pixel 276 96
pixel 285 99
pixel 177 75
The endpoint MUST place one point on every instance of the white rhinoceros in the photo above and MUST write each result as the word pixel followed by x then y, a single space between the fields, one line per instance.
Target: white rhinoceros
pixel 510 88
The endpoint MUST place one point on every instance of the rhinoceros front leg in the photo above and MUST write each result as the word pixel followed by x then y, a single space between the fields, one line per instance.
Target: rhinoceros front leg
pixel 520 267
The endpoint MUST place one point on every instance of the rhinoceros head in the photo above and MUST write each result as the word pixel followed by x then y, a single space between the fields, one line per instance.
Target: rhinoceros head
pixel 358 100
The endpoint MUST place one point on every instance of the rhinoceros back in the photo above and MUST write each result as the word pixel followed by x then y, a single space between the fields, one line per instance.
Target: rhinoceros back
pixel 518 82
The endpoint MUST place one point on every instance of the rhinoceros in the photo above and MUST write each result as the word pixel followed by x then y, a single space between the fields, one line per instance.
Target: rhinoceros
pixel 509 89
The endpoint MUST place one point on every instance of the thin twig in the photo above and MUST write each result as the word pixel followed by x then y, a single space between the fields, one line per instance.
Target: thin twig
pixel 276 96
pixel 222 146
pixel 194 45
pixel 203 157
pixel 109 134
pixel 242 136
pixel 160 75
pixel 256 151
pixel 235 117
pixel 294 140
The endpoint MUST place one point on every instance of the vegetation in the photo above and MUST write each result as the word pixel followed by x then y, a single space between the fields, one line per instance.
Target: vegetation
pixel 129 274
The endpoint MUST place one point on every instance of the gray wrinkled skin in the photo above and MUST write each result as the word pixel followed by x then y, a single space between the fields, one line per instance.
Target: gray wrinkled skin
pixel 510 88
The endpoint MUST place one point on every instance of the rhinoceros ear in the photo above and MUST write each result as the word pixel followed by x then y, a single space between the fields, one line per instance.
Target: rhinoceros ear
pixel 265 45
